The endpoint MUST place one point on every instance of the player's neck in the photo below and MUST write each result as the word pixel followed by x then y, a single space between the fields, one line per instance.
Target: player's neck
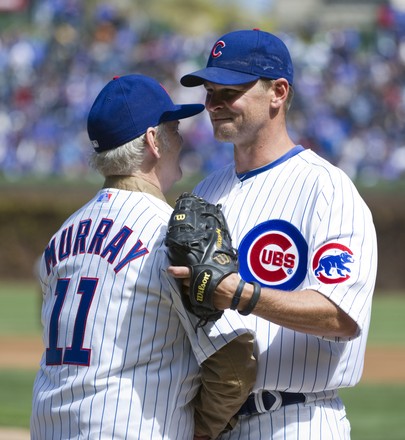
pixel 262 147
pixel 133 183
pixel 252 157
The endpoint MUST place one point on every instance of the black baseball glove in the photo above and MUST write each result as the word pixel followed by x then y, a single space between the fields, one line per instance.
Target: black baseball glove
pixel 198 237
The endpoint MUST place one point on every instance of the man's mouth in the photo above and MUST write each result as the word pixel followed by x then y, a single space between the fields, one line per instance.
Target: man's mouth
pixel 221 119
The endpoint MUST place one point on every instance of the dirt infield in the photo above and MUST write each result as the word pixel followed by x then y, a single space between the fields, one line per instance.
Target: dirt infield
pixel 14 434
pixel 382 364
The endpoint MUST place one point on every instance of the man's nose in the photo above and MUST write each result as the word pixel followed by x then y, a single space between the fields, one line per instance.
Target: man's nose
pixel 213 102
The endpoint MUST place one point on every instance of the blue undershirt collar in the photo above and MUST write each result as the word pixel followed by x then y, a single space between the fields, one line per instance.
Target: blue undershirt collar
pixel 296 150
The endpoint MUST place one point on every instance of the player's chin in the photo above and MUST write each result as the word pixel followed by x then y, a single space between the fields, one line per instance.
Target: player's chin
pixel 222 134
pixel 223 128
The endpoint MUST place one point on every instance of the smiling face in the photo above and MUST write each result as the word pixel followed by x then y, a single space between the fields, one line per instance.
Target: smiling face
pixel 238 113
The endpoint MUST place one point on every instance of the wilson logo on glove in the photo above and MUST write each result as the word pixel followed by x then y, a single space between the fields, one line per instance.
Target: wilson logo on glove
pixel 219 239
pixel 201 286
pixel 222 259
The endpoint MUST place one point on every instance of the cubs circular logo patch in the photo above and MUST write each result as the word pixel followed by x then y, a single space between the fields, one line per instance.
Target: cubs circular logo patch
pixel 274 254
pixel 331 263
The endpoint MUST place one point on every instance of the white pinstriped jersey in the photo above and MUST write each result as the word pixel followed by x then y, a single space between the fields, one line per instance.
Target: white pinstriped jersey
pixel 299 223
pixel 118 362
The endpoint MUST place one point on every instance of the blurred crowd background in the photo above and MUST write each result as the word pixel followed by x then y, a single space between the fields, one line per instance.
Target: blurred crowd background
pixel 349 104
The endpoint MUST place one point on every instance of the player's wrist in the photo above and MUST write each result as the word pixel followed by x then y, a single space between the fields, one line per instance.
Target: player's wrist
pixel 237 295
pixel 249 298
pixel 245 297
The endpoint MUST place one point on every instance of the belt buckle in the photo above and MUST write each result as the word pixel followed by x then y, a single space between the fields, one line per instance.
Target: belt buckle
pixel 268 401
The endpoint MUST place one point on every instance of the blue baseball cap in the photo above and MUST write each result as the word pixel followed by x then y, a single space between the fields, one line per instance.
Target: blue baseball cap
pixel 244 56
pixel 127 106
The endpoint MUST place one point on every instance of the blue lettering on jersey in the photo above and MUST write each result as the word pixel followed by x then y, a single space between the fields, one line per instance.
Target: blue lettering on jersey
pixel 116 244
pixel 136 252
pixel 100 235
pixel 50 256
pixel 81 236
pixel 65 246
pixel 55 253
pixel 274 254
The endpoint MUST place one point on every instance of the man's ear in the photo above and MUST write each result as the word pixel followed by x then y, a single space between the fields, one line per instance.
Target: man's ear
pixel 280 90
pixel 152 144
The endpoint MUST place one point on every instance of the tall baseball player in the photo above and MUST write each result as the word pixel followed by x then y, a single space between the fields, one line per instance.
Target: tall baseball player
pixel 122 358
pixel 306 240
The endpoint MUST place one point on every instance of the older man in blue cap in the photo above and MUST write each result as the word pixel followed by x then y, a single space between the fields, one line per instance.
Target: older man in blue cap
pixel 121 358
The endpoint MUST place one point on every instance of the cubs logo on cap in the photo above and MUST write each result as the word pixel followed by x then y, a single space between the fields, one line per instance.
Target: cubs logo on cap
pixel 274 254
pixel 244 56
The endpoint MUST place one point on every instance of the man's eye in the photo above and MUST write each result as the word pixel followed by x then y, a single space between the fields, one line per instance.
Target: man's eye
pixel 231 93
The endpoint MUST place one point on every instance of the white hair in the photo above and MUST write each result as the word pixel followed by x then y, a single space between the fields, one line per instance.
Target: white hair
pixel 127 158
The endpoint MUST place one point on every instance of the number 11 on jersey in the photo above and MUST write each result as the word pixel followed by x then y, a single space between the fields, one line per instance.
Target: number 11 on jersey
pixel 75 354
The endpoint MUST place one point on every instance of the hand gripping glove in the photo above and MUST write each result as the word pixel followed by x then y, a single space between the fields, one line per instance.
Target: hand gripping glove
pixel 198 237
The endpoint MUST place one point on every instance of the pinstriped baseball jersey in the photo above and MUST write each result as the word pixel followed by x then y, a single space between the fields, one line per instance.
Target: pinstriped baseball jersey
pixel 299 223
pixel 121 354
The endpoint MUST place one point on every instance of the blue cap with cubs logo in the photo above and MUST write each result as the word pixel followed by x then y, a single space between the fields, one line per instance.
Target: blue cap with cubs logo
pixel 244 56
pixel 127 106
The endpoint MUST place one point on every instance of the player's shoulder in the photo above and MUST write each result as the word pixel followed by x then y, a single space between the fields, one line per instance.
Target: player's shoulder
pixel 159 207
pixel 321 169
pixel 133 203
pixel 131 207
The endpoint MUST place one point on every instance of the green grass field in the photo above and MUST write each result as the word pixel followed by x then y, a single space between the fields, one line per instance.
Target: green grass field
pixel 19 308
pixel 376 411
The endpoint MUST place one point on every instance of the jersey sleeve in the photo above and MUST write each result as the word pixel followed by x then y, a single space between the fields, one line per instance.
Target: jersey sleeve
pixel 343 253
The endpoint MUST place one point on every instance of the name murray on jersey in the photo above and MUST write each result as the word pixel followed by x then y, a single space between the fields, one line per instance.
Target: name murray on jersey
pixel 85 242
